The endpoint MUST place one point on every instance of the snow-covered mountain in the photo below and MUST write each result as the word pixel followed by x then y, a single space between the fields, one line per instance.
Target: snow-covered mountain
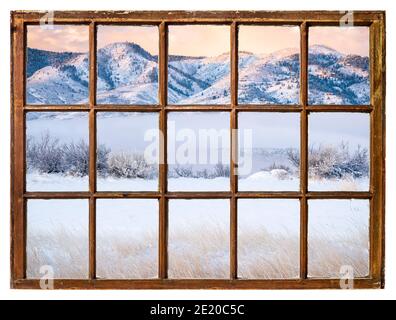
pixel 335 78
pixel 128 74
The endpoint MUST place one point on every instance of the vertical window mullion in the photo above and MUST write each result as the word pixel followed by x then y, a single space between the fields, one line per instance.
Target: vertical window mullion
pixel 163 208
pixel 92 150
pixel 234 152
pixel 303 149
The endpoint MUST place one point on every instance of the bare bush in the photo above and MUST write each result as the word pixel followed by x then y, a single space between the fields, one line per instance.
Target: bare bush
pixel 204 173
pixel 334 161
pixel 127 165
pixel 76 158
pixel 102 157
pixel 183 171
pixel 221 170
pixel 294 157
pixel 45 155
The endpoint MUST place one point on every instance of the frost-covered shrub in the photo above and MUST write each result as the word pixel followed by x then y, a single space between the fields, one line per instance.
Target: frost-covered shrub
pixel 221 170
pixel 280 171
pixel 129 165
pixel 276 166
pixel 330 162
pixel 45 155
pixel 334 161
pixel 102 157
pixel 281 174
pixel 76 158
pixel 293 156
pixel 204 173
pixel 183 171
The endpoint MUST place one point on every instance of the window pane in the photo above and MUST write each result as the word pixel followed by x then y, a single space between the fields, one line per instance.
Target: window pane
pixel 57 65
pixel 338 237
pixel 127 65
pixel 199 239
pixel 127 238
pixel 339 151
pixel 268 238
pixel 57 151
pixel 338 65
pixel 198 151
pixel 269 65
pixel 57 236
pixel 199 64
pixel 127 154
pixel 269 148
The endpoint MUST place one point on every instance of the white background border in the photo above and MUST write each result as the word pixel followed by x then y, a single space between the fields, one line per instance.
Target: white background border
pixel 390 284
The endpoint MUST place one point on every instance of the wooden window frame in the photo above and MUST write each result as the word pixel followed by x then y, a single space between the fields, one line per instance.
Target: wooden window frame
pixel 375 20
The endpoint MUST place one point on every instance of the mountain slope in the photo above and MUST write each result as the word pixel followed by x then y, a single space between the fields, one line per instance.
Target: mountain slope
pixel 335 78
pixel 60 82
pixel 270 79
pixel 128 74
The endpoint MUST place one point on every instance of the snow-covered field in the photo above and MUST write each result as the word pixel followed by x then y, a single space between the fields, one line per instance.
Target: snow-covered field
pixel 262 181
pixel 338 235
pixel 127 238
pixel 259 181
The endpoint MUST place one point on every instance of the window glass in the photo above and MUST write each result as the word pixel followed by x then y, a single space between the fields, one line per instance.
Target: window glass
pixel 57 151
pixel 199 64
pixel 127 60
pixel 338 65
pixel 269 65
pixel 57 239
pixel 57 68
pixel 338 238
pixel 268 238
pixel 127 238
pixel 199 239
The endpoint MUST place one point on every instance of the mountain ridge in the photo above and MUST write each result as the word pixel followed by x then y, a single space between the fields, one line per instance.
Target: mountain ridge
pixel 128 74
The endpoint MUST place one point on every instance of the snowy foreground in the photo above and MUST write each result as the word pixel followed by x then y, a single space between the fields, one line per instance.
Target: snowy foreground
pixel 259 181
pixel 127 231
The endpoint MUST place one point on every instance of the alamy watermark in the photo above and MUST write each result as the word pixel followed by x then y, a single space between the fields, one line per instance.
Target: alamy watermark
pixel 47 278
pixel 346 277
pixel 346 19
pixel 47 20
pixel 207 146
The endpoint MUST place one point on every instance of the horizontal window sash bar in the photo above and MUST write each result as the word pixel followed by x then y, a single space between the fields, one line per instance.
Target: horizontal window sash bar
pixel 309 283
pixel 200 195
pixel 339 195
pixel 56 195
pixel 46 108
pixel 247 108
pixel 339 108
pixel 155 17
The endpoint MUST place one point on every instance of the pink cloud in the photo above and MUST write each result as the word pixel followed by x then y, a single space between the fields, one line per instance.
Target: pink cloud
pixel 60 38
pixel 348 40
pixel 145 36
pixel 268 39
pixel 199 40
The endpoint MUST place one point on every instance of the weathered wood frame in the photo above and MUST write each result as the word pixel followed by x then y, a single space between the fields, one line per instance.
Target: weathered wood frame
pixel 304 19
